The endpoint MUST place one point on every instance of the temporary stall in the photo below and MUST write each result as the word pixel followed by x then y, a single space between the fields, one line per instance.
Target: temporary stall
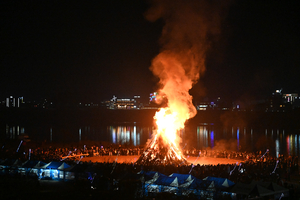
pixel 183 178
pixel 162 183
pixel 220 183
pixel 54 170
pixel 31 167
pixel 76 172
pixel 179 184
pixel 10 166
pixel 251 190
pixel 277 189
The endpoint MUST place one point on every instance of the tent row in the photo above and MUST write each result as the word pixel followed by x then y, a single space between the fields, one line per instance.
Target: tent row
pixel 259 189
pixel 51 170
pixel 184 184
pixel 152 182
pixel 209 187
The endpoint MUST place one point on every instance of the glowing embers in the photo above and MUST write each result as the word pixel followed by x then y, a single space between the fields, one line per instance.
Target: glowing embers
pixel 160 152
pixel 163 147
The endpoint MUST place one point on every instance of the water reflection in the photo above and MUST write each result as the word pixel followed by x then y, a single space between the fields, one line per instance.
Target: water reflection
pixel 292 144
pixel 296 143
pixel 212 141
pixel 279 141
pixel 79 134
pixel 238 138
pixel 13 132
pixel 277 148
pixel 128 135
pixel 274 139
pixel 289 141
pixel 202 137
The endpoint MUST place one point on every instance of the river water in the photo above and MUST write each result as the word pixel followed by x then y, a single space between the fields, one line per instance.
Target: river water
pixel 200 136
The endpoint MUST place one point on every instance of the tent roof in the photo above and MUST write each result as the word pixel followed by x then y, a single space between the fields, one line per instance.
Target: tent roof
pixel 271 186
pixel 150 176
pixel 167 181
pixel 175 180
pixel 220 182
pixel 56 165
pixel 261 191
pixel 277 188
pixel 251 189
pixel 199 184
pixel 183 178
pixel 150 180
pixel 63 166
pixel 40 164
pixel 33 164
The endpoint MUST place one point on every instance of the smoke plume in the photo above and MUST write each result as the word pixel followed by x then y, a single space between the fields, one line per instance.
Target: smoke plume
pixel 189 27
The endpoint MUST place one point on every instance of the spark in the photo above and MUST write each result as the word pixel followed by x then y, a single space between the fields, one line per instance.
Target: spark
pixel 275 167
pixel 66 156
pixel 79 159
pixel 19 145
pixel 233 168
pixel 282 195
pixel 240 167
pixel 264 154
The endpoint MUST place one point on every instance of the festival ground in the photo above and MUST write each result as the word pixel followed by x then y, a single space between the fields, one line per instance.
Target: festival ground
pixel 132 159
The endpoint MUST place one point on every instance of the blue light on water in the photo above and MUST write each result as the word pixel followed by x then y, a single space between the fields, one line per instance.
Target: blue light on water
pixel 238 138
pixel 212 139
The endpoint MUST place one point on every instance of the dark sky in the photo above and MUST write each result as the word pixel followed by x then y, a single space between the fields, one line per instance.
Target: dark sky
pixel 90 50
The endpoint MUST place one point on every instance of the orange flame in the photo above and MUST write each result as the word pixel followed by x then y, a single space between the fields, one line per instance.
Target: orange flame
pixel 177 78
pixel 168 124
pixel 180 63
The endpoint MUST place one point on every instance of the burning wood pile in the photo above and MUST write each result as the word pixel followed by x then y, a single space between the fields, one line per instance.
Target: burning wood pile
pixel 159 152
pixel 163 147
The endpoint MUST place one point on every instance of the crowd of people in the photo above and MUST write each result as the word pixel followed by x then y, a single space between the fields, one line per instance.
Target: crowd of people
pixel 51 153
pixel 260 166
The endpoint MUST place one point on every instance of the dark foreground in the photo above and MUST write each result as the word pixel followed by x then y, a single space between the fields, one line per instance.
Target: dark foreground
pixel 121 182
pixel 16 188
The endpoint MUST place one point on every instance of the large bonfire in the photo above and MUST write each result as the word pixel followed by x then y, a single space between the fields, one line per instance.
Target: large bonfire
pixel 178 67
pixel 164 147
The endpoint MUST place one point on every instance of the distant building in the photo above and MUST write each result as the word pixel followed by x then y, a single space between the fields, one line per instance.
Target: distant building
pixel 206 106
pixel 125 103
pixel 280 102
pixel 275 102
pixel 290 98
pixel 222 104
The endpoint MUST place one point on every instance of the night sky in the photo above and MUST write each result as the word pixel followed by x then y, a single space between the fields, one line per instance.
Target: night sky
pixel 90 50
